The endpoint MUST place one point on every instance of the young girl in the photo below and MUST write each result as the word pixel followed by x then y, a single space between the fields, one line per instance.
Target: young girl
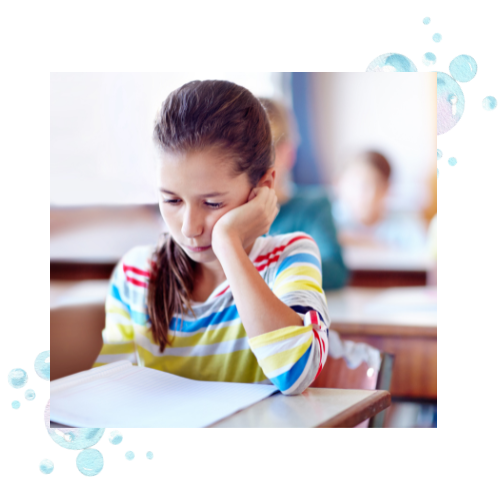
pixel 216 300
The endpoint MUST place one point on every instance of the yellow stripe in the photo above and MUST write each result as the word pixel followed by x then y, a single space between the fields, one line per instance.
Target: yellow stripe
pixel 116 332
pixel 118 310
pixel 240 366
pixel 278 335
pixel 299 285
pixel 212 336
pixel 298 271
pixel 125 348
pixel 284 358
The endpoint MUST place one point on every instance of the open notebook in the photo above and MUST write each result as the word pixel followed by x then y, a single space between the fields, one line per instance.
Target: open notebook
pixel 123 395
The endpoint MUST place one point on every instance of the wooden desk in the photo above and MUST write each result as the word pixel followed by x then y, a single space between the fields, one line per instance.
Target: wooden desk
pixel 313 408
pixel 400 321
pixel 385 267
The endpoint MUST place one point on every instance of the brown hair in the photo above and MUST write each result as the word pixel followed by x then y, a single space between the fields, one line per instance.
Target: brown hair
pixel 379 162
pixel 202 115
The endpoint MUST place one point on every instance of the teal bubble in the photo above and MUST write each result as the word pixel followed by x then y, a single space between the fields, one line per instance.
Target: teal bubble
pixel 115 437
pixel 426 20
pixel 17 378
pixel 90 462
pixel 452 161
pixel 46 466
pixel 450 103
pixel 75 439
pixel 437 37
pixel 391 62
pixel 439 154
pixel 149 455
pixel 15 405
pixel 429 59
pixel 463 68
pixel 42 365
pixel 489 103
pixel 129 455
pixel 30 394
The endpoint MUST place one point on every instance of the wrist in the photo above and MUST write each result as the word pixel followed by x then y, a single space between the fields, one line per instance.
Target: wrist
pixel 223 242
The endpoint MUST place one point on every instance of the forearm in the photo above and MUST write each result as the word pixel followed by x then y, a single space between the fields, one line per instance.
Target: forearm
pixel 260 310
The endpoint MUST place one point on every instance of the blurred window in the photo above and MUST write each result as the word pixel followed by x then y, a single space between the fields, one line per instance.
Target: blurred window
pixel 101 125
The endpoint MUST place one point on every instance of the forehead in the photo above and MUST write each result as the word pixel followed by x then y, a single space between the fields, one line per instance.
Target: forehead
pixel 198 172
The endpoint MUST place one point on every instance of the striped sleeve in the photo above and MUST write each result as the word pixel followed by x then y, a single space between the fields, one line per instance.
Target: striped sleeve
pixel 293 357
pixel 121 309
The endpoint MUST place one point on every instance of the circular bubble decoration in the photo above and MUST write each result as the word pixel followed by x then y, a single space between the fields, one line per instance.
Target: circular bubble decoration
pixel 30 394
pixel 72 438
pixel 489 103
pixel 439 154
pixel 390 63
pixel 129 455
pixel 149 455
pixel 90 462
pixel 429 59
pixel 42 365
pixel 450 103
pixel 46 466
pixel 426 20
pixel 452 161
pixel 17 378
pixel 15 405
pixel 463 68
pixel 437 37
pixel 115 437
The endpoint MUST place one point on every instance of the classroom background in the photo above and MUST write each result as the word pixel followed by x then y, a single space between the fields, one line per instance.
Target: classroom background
pixel 102 204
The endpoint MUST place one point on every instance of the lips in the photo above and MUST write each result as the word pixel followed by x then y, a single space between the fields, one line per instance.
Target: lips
pixel 198 249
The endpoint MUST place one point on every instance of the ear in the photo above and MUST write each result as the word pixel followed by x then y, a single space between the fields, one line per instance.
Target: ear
pixel 268 179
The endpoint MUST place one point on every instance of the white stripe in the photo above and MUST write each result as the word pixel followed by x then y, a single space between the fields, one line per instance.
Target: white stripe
pixel 225 347
pixel 265 351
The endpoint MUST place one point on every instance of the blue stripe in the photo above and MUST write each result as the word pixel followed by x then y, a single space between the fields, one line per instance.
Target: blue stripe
pixel 115 293
pixel 299 257
pixel 228 314
pixel 287 379
pixel 305 310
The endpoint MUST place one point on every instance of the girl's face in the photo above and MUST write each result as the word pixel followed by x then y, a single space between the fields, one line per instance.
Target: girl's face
pixel 196 190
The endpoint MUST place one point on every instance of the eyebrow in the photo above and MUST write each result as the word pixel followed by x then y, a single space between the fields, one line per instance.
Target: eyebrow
pixel 207 195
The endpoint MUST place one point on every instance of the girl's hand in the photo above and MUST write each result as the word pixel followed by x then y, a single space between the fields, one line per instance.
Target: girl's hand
pixel 247 222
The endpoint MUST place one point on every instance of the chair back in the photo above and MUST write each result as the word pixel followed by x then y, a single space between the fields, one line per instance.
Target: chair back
pixel 75 337
pixel 356 365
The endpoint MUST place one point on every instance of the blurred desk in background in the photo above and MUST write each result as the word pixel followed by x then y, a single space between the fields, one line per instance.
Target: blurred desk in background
pixel 86 243
pixel 386 267
pixel 400 321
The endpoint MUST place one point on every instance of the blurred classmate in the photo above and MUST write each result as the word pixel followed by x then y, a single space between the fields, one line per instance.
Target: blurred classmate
pixel 306 209
pixel 360 208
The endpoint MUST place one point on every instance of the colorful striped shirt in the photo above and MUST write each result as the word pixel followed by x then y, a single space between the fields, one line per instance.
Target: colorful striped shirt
pixel 212 344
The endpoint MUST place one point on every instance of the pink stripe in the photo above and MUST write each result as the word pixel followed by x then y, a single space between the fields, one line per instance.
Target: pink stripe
pixel 135 270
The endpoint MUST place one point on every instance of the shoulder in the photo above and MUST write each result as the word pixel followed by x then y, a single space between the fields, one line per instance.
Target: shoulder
pixel 310 197
pixel 134 267
pixel 296 246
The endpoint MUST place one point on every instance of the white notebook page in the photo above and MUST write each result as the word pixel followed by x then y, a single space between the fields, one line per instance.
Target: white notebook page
pixel 123 395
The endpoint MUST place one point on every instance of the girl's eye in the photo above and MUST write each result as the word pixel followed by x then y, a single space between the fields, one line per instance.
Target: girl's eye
pixel 211 205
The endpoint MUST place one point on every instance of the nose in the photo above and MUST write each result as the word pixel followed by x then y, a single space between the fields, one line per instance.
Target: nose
pixel 192 223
